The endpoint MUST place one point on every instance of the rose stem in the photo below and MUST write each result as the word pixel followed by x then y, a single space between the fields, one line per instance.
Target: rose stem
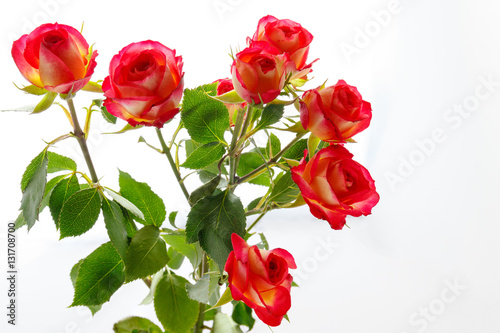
pixel 166 151
pixel 232 149
pixel 80 136
pixel 272 160
pixel 256 220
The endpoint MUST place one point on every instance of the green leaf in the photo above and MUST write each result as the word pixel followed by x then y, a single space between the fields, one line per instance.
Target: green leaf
pixel 175 310
pixel 49 187
pixel 273 146
pixel 177 240
pixel 203 288
pixel 125 203
pixel 141 195
pixel 171 218
pixel 62 191
pixel 152 289
pixel 115 225
pixel 296 151
pixel 224 299
pixel 58 163
pixel 224 324
pixel 79 212
pixel 242 315
pixel 33 186
pixel 213 168
pixel 73 275
pixel 205 119
pixel 249 162
pixel 212 221
pixel 231 97
pixel 100 275
pixel 107 116
pixel 264 245
pixel 205 155
pixel 146 254
pixel 46 102
pixel 176 258
pixel 136 325
pixel 271 114
pixel 285 190
pixel 205 190
pixel 19 222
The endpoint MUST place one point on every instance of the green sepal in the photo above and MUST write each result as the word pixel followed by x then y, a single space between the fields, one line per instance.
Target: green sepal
pixel 33 90
pixel 45 103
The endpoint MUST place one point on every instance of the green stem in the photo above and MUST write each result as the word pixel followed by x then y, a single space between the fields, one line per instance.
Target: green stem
pixel 256 220
pixel 201 316
pixel 271 161
pixel 233 147
pixel 80 137
pixel 166 151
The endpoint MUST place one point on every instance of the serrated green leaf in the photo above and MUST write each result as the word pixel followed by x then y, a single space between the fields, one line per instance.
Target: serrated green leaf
pixel 175 310
pixel 212 221
pixel 205 119
pixel 271 114
pixel 99 276
pixel 74 275
pixel 204 190
pixel 273 146
pixel 49 187
pixel 213 168
pixel 250 161
pixel 59 163
pixel 205 155
pixel 115 225
pixel 33 186
pixel 202 289
pixel 79 212
pixel 176 258
pixel 107 116
pixel 136 324
pixel 19 222
pixel 285 190
pixel 177 240
pixel 141 195
pixel 242 315
pixel 296 151
pixel 146 254
pixel 46 102
pixel 62 191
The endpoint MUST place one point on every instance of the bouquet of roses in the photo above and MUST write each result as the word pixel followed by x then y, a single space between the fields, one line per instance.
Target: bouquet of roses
pixel 145 88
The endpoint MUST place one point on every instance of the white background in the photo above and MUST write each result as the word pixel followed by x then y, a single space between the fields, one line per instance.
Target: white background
pixel 426 260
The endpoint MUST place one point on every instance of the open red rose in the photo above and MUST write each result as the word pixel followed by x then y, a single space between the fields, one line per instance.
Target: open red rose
pixel 334 185
pixel 145 84
pixel 55 57
pixel 335 113
pixel 259 76
pixel 260 279
pixel 286 36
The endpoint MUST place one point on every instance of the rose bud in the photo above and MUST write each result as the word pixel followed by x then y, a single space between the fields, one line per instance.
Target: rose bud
pixel 334 186
pixel 335 113
pixel 286 36
pixel 55 57
pixel 225 86
pixel 260 279
pixel 258 76
pixel 145 84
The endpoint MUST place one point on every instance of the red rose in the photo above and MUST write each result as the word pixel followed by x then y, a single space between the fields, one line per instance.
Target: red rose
pixel 260 279
pixel 334 186
pixel 335 113
pixel 286 36
pixel 145 84
pixel 258 76
pixel 55 57
pixel 225 86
